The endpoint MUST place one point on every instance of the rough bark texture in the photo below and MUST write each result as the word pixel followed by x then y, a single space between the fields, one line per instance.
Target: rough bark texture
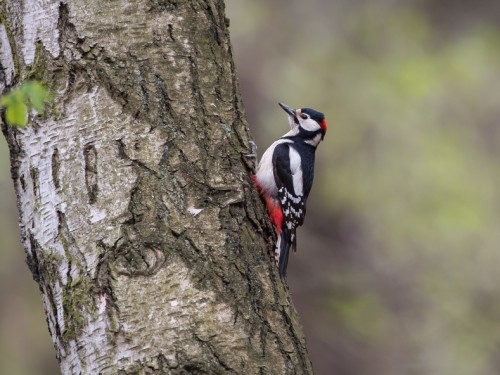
pixel 139 220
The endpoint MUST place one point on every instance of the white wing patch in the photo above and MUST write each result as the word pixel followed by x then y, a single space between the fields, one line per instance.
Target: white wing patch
pixel 296 169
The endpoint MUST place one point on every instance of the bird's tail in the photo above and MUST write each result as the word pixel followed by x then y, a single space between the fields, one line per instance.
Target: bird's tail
pixel 286 242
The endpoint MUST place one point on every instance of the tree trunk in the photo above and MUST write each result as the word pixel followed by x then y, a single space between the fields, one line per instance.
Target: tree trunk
pixel 139 220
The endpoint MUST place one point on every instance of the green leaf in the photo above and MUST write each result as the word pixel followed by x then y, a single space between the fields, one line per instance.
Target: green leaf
pixel 18 102
pixel 16 113
pixel 36 93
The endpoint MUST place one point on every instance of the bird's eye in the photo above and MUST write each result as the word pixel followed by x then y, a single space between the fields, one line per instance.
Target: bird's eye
pixel 304 116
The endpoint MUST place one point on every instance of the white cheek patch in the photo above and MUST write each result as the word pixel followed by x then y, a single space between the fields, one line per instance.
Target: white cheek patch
pixel 309 124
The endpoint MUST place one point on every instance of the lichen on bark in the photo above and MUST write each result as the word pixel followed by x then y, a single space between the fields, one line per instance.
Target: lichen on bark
pixel 139 219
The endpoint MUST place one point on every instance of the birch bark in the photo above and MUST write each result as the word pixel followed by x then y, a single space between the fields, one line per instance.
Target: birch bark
pixel 139 221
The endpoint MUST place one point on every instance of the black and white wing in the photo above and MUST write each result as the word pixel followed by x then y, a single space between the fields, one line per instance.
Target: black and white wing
pixel 289 180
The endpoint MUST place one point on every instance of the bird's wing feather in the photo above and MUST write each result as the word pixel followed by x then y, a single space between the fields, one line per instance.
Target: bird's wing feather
pixel 293 204
pixel 281 166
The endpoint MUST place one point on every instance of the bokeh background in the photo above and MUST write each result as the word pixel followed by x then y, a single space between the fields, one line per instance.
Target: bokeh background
pixel 398 268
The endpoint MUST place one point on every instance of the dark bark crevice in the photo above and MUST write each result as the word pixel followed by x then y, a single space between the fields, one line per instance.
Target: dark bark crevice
pixel 55 169
pixel 91 177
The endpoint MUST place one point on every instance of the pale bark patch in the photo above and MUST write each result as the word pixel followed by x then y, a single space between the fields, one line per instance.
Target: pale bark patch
pixel 40 24
pixel 6 60
pixel 195 311
pixel 87 116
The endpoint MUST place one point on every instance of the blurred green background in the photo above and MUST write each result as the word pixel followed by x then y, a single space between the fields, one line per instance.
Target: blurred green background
pixel 397 271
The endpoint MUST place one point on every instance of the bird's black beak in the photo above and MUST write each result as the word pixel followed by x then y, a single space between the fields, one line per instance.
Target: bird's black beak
pixel 287 109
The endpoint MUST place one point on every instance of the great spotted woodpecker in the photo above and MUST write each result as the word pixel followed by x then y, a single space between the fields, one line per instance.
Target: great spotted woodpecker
pixel 285 175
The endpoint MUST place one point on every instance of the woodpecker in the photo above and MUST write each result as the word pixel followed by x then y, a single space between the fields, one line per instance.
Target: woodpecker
pixel 284 176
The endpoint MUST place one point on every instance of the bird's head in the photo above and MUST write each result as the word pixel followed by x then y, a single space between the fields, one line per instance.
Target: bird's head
pixel 306 119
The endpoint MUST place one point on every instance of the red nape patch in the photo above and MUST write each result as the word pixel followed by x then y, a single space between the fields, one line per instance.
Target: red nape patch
pixel 323 125
pixel 275 213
